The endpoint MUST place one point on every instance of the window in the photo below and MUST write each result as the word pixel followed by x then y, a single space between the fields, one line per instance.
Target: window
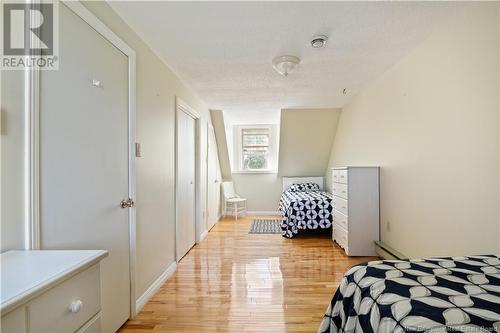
pixel 255 148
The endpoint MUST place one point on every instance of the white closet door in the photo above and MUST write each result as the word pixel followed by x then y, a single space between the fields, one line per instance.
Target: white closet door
pixel 186 206
pixel 213 180
pixel 84 158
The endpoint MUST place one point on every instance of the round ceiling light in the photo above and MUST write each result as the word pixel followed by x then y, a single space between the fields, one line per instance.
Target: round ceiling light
pixel 319 41
pixel 285 64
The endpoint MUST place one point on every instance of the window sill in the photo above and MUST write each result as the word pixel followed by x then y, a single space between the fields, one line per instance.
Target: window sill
pixel 246 172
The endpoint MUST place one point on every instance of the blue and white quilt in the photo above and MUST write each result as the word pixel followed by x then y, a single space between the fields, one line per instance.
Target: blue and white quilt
pixel 304 206
pixel 452 294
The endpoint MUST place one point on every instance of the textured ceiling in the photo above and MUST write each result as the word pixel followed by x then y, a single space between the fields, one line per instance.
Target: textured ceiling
pixel 223 50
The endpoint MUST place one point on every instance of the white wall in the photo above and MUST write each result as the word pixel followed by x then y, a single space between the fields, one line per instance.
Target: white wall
pixel 12 160
pixel 262 191
pixel 432 124
pixel 157 87
pixel 305 140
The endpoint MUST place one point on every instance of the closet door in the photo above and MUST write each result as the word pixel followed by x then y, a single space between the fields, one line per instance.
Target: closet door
pixel 213 180
pixel 186 205
pixel 84 158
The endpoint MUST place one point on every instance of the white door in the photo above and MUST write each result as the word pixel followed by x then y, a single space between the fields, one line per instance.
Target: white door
pixel 213 180
pixel 186 205
pixel 84 158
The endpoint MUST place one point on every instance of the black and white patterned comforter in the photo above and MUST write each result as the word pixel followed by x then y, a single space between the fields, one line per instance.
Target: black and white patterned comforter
pixel 459 294
pixel 308 209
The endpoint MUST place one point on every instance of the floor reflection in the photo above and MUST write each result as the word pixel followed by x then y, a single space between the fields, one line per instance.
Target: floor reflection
pixel 239 282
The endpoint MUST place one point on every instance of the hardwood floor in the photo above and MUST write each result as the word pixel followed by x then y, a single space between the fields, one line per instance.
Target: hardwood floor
pixel 238 282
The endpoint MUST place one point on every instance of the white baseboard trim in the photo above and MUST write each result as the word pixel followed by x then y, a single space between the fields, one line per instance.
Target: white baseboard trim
pixel 262 212
pixel 203 235
pixel 153 288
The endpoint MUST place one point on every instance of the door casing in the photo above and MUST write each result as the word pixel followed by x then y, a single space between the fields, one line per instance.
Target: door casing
pixel 210 185
pixel 32 157
pixel 181 106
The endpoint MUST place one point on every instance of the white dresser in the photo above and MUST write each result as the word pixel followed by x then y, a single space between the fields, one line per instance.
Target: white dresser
pixel 50 291
pixel 356 209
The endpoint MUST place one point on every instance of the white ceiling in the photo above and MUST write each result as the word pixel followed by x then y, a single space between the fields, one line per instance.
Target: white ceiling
pixel 223 50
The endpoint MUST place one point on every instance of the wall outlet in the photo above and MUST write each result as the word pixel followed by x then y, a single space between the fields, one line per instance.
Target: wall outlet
pixel 388 226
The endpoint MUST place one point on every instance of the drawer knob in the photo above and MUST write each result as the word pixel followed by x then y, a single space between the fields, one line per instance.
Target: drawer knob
pixel 75 306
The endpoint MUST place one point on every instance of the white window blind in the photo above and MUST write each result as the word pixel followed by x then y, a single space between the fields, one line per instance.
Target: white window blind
pixel 255 148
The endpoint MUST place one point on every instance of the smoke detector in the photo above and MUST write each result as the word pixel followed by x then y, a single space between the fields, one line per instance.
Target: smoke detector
pixel 285 64
pixel 319 41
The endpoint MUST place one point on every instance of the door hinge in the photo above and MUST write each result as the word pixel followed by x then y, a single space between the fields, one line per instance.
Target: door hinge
pixel 138 152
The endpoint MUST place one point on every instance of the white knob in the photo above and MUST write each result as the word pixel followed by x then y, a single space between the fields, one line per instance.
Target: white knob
pixel 75 306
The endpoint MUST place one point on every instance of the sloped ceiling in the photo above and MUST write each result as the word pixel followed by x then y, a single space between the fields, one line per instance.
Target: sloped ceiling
pixel 217 118
pixel 306 138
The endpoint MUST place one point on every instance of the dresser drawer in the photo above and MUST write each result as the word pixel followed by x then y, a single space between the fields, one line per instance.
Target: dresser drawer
pixel 341 237
pixel 51 311
pixel 340 176
pixel 340 205
pixel 340 219
pixel 14 321
pixel 93 326
pixel 340 190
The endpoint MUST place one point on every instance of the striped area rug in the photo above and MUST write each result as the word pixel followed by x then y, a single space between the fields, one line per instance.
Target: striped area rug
pixel 260 226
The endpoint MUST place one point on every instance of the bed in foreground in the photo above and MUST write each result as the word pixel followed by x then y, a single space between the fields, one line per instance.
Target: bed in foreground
pixel 458 294
pixel 304 205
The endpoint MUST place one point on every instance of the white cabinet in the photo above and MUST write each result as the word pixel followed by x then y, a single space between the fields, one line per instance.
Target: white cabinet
pixel 356 209
pixel 50 291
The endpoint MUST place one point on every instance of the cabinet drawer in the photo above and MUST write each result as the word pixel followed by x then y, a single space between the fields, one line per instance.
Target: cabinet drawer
pixel 340 219
pixel 93 326
pixel 340 176
pixel 51 311
pixel 340 190
pixel 341 237
pixel 340 205
pixel 14 321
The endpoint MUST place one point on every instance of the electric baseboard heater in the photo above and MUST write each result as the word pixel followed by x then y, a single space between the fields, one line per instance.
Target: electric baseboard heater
pixel 386 252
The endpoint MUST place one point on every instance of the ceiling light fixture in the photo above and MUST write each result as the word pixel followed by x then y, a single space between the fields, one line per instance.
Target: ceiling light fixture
pixel 319 41
pixel 285 64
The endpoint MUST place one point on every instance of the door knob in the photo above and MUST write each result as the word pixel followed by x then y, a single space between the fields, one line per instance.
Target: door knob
pixel 127 203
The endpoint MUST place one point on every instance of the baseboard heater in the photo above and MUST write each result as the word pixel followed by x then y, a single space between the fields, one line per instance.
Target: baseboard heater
pixel 386 252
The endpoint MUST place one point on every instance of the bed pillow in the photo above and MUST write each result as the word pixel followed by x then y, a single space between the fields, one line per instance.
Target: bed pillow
pixel 304 187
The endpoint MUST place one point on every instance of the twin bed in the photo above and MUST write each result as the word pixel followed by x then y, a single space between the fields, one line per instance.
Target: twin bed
pixel 448 294
pixel 304 205
pixel 453 294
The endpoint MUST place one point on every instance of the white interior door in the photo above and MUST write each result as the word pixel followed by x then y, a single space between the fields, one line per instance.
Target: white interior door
pixel 186 202
pixel 213 180
pixel 84 158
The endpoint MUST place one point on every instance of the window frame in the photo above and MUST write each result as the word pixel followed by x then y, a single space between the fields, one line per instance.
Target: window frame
pixel 272 146
pixel 265 131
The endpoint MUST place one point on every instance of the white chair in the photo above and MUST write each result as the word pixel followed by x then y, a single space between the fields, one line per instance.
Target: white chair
pixel 233 203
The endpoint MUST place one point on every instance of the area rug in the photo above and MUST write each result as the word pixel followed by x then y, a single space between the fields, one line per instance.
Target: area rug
pixel 260 226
